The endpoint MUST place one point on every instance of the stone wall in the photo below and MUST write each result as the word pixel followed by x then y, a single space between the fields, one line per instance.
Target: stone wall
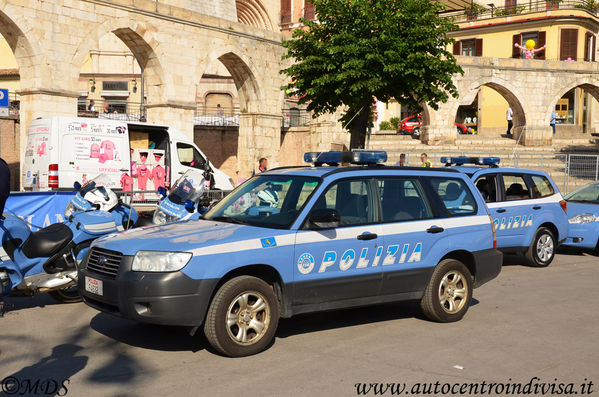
pixel 220 145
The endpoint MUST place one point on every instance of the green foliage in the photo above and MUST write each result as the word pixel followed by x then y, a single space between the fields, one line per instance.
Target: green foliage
pixel 385 126
pixel 394 121
pixel 365 49
pixel 502 12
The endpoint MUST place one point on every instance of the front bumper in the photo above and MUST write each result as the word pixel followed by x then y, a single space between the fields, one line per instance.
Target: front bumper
pixel 157 298
pixel 582 236
pixel 488 265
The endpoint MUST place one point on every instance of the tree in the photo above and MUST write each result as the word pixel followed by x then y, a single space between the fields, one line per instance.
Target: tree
pixel 359 50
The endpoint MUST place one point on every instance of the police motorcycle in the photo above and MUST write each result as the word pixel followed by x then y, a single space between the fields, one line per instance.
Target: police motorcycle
pixel 46 260
pixel 183 201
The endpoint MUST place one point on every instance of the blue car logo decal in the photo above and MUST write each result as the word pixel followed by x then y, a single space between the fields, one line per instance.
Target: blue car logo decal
pixel 268 242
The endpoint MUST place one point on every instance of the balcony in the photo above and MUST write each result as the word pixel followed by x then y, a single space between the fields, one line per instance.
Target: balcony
pixel 112 110
pixel 216 117
pixel 295 118
pixel 14 104
pixel 477 12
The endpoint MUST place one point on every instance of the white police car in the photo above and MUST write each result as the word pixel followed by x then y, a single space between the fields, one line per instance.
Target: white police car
pixel 302 239
pixel 528 209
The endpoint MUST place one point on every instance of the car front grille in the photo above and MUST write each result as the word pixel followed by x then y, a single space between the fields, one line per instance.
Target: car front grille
pixel 104 262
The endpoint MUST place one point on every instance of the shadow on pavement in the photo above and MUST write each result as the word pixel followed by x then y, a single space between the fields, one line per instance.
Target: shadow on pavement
pixel 147 336
pixel 28 302
pixel 49 376
pixel 321 321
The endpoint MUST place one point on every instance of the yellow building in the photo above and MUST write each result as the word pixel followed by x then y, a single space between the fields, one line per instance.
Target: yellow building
pixel 568 29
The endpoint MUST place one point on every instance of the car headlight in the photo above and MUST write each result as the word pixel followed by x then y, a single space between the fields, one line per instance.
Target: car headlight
pixel 156 261
pixel 582 218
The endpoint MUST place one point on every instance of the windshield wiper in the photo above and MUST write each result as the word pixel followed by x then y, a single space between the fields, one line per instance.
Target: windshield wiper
pixel 229 219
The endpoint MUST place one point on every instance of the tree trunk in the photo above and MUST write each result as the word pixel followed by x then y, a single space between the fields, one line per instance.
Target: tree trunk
pixel 359 125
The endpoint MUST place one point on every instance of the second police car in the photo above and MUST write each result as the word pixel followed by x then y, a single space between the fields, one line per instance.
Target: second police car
pixel 302 239
pixel 527 207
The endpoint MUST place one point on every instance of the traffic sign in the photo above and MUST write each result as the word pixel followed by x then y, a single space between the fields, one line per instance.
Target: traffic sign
pixel 3 98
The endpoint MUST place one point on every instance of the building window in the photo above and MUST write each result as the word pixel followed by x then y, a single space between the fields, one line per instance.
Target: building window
pixel 539 37
pixel 470 47
pixel 285 12
pixel 309 10
pixel 568 45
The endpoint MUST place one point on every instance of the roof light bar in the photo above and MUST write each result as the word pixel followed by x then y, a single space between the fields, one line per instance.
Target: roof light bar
pixel 362 157
pixel 490 161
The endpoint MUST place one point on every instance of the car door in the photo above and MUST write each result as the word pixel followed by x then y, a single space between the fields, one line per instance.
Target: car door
pixel 411 231
pixel 343 262
pixel 511 213
pixel 188 158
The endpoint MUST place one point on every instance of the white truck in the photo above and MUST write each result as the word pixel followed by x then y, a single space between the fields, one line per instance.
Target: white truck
pixel 137 156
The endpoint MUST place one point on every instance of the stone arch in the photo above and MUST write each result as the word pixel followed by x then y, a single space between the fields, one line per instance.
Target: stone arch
pixel 508 91
pixel 589 84
pixel 15 30
pixel 139 38
pixel 253 12
pixel 241 69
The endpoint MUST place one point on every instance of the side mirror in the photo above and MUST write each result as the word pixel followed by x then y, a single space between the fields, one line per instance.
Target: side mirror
pixel 324 218
pixel 189 206
pixel 161 191
pixel 77 186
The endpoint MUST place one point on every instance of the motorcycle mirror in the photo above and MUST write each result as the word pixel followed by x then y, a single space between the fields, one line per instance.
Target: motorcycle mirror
pixel 161 191
pixel 77 186
pixel 189 205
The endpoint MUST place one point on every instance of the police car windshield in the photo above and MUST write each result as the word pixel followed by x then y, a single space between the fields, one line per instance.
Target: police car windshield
pixel 585 194
pixel 272 201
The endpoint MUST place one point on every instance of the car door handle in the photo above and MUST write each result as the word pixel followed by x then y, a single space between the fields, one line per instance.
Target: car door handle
pixel 434 229
pixel 501 210
pixel 536 207
pixel 367 236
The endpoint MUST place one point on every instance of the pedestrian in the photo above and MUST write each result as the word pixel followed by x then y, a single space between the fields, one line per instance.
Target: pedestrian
pixel 91 106
pixel 509 116
pixel 402 160
pixel 4 184
pixel 105 110
pixel 552 121
pixel 262 164
pixel 219 111
pixel 425 162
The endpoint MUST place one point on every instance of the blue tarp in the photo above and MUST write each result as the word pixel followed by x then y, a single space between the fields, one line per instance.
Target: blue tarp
pixel 39 208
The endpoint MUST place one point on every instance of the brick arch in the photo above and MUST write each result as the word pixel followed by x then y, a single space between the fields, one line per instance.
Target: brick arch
pixel 25 50
pixel 507 90
pixel 139 38
pixel 253 12
pixel 244 76
pixel 588 84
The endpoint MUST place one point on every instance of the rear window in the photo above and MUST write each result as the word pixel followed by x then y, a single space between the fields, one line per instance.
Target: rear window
pixel 456 196
pixel 541 186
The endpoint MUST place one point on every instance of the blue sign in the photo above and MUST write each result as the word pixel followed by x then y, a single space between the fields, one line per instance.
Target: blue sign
pixel 3 98
pixel 268 242
pixel 39 208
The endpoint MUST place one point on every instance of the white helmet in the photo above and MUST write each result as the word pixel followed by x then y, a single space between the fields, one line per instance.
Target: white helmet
pixel 268 197
pixel 103 198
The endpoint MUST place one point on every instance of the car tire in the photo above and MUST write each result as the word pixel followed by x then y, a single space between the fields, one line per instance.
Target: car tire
pixel 416 132
pixel 542 249
pixel 449 292
pixel 66 295
pixel 234 314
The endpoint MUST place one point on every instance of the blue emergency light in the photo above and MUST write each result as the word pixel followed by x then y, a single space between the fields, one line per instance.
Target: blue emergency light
pixel 362 157
pixel 490 161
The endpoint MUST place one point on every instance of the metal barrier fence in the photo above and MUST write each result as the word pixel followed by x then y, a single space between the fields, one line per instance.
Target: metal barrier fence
pixel 568 170
pixel 149 198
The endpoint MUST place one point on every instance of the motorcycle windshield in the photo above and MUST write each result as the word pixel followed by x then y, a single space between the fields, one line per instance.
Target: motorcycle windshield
pixel 187 187
pixel 89 185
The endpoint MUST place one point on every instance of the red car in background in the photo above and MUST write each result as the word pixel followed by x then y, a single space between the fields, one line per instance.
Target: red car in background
pixel 411 126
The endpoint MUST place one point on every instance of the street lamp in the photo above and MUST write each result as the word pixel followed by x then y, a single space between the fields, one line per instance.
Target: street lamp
pixel 92 81
pixel 492 5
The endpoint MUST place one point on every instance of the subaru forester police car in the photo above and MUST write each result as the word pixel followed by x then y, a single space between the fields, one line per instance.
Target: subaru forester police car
pixel 528 209
pixel 301 239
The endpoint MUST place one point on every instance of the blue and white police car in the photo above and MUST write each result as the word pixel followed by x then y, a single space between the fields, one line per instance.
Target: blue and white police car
pixel 583 213
pixel 528 209
pixel 301 239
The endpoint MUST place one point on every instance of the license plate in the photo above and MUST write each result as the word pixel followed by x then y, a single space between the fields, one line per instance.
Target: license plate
pixel 94 286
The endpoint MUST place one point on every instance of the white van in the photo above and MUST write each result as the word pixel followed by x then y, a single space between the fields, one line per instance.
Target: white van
pixel 62 150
